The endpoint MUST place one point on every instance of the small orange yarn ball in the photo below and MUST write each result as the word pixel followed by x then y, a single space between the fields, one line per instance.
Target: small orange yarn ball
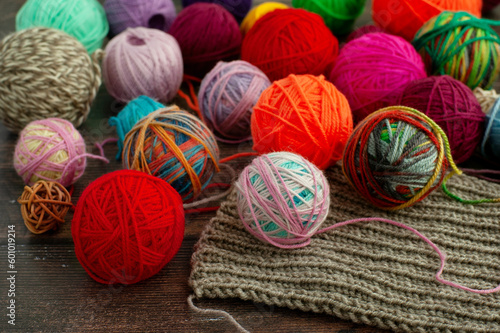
pixel 405 17
pixel 303 114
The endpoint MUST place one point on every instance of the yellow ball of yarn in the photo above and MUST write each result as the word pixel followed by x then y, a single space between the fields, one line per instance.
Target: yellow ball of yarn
pixel 257 12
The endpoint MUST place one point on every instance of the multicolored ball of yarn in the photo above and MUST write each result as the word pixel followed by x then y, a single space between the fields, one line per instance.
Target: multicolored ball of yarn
pixel 175 146
pixel 405 17
pixel 207 33
pixel 154 14
pixel 303 114
pixel 290 41
pixel 396 157
pixel 490 146
pixel 127 226
pixel 46 73
pixel 44 206
pixel 143 61
pixel 372 71
pixel 227 96
pixel 134 111
pixel 257 12
pixel 361 31
pixel 83 19
pixel 453 106
pixel 52 150
pixel 238 9
pixel 460 45
pixel 339 15
pixel 282 199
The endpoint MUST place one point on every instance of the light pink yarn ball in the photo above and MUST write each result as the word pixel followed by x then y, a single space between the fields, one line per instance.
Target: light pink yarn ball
pixel 143 61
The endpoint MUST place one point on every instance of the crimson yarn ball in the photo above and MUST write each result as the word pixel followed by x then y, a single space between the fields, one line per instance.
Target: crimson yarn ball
pixel 453 106
pixel 127 226
pixel 206 33
pixel 238 8
pixel 372 71
pixel 290 41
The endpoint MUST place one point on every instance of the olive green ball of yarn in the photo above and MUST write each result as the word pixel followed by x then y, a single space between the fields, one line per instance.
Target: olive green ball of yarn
pixel 83 19
pixel 339 15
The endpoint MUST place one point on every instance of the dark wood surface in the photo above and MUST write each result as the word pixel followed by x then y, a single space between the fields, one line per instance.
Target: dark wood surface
pixel 55 294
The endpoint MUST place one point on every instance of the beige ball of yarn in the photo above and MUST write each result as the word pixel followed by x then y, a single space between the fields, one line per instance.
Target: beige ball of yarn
pixel 46 73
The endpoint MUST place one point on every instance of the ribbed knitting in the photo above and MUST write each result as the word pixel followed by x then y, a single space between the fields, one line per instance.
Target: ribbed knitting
pixel 370 273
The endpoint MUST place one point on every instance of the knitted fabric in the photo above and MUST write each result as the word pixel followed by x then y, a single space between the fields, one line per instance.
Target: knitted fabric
pixel 370 273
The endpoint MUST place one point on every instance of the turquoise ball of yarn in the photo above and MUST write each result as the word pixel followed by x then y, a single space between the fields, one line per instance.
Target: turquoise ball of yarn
pixel 490 146
pixel 134 111
pixel 83 19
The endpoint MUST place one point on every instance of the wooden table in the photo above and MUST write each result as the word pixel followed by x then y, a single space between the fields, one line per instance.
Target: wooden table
pixel 55 294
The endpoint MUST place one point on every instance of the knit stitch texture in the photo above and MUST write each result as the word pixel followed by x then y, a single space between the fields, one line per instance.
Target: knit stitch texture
pixel 370 273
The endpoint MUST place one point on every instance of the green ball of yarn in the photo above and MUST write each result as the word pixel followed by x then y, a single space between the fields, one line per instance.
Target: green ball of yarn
pixel 83 19
pixel 339 15
pixel 462 46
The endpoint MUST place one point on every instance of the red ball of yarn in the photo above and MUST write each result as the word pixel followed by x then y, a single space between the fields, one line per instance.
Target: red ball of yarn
pixel 290 41
pixel 453 106
pixel 206 33
pixel 127 226
pixel 302 114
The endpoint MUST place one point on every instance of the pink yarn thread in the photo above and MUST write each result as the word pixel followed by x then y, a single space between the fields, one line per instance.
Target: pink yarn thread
pixel 143 61
pixel 31 160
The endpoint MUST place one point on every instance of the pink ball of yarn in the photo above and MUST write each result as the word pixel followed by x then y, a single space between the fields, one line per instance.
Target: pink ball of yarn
pixel 143 61
pixel 207 33
pixel 50 149
pixel 154 14
pixel 227 96
pixel 453 106
pixel 371 71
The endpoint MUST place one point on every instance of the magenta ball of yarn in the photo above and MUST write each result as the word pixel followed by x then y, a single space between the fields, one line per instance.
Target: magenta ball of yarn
pixel 239 8
pixel 154 14
pixel 372 70
pixel 453 106
pixel 207 33
pixel 361 31
pixel 227 96
pixel 143 61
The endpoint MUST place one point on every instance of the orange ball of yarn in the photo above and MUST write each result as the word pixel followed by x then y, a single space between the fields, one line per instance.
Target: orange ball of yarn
pixel 303 114
pixel 405 17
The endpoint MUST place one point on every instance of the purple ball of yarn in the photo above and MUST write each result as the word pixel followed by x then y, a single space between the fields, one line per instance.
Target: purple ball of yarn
pixel 143 61
pixel 227 96
pixel 361 31
pixel 239 8
pixel 207 33
pixel 154 14
pixel 372 71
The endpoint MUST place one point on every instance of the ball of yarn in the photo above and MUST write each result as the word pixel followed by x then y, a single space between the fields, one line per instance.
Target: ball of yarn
pixel 154 14
pixel 339 15
pixel 83 19
pixel 361 31
pixel 453 106
pixel 290 41
pixel 134 111
pixel 303 114
pixel 52 150
pixel 207 33
pixel 462 46
pixel 127 226
pixel 490 146
pixel 486 98
pixel 371 71
pixel 44 206
pixel 405 17
pixel 395 157
pixel 282 199
pixel 257 12
pixel 227 96
pixel 489 5
pixel 143 61
pixel 238 9
pixel 175 146
pixel 45 73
